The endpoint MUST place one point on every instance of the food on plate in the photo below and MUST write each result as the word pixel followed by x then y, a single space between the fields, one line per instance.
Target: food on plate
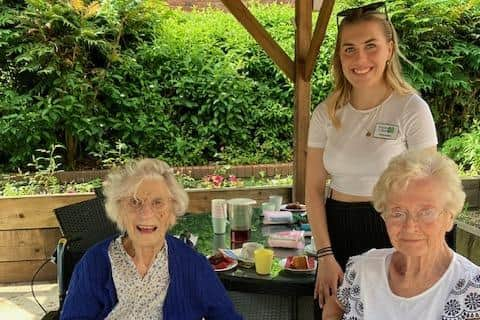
pixel 300 262
pixel 219 261
pixel 296 206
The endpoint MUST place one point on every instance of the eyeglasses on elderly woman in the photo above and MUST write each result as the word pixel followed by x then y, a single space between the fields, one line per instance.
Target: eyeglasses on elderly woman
pixel 399 216
pixel 138 205
pixel 363 10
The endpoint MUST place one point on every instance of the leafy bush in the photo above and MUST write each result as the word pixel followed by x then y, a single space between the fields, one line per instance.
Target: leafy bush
pixel 465 150
pixel 442 39
pixel 193 88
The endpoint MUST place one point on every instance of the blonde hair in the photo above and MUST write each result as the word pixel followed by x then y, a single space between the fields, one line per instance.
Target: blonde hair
pixel 124 181
pixel 340 95
pixel 414 165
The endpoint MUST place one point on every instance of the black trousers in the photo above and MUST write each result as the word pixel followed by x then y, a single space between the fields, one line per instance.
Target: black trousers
pixel 354 228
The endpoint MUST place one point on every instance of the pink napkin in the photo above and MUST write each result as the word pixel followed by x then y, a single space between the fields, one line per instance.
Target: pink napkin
pixel 277 217
pixel 287 239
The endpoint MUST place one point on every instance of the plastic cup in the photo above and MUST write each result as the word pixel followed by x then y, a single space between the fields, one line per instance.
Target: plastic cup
pixel 219 242
pixel 219 208
pixel 219 225
pixel 276 200
pixel 263 261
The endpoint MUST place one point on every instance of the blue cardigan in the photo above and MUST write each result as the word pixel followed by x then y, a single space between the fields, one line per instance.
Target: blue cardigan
pixel 194 291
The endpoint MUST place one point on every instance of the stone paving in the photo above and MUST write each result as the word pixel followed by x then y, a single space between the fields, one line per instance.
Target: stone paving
pixel 17 303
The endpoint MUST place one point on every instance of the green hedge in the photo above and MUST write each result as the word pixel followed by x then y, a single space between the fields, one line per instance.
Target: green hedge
pixel 194 88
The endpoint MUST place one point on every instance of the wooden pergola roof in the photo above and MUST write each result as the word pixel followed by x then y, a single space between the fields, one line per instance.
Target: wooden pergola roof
pixel 298 71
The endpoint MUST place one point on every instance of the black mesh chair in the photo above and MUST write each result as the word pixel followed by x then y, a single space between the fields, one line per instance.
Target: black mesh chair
pixel 82 225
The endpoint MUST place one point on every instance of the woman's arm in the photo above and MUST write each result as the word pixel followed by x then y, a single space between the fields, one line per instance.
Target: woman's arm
pixel 329 272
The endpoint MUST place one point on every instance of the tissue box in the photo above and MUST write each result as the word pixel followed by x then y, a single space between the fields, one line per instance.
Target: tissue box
pixel 277 217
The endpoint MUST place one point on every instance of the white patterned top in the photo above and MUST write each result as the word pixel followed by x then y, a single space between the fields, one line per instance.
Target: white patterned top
pixel 365 292
pixel 138 298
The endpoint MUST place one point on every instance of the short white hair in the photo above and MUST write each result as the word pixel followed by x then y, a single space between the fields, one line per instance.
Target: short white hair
pixel 413 165
pixel 124 181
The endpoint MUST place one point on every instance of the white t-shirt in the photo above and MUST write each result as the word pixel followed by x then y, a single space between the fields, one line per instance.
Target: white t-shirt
pixel 357 153
pixel 365 292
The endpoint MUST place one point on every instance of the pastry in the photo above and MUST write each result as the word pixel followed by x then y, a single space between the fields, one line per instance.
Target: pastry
pixel 299 262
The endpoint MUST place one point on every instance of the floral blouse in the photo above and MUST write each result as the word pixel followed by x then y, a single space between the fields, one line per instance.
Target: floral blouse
pixel 138 298
pixel 365 292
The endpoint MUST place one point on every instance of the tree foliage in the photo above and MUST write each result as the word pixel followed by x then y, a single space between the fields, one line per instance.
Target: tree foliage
pixel 193 88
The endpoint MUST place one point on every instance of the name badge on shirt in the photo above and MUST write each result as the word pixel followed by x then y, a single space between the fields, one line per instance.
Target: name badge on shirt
pixel 385 131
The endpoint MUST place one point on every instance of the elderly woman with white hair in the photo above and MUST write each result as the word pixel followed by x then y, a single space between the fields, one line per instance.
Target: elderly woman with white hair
pixel 145 273
pixel 419 196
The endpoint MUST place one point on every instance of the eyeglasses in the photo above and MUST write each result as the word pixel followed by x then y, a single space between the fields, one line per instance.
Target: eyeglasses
pixel 138 205
pixel 398 216
pixel 363 10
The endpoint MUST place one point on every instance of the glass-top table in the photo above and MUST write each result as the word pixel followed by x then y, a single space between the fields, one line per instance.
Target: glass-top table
pixel 284 283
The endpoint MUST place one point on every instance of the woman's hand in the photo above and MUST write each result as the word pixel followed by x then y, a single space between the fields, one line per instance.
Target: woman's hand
pixel 329 276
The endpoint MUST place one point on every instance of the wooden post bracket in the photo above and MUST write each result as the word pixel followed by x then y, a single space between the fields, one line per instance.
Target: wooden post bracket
pixel 318 37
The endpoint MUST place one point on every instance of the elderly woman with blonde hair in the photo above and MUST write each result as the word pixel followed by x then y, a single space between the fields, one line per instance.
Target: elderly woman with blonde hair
pixel 419 195
pixel 145 273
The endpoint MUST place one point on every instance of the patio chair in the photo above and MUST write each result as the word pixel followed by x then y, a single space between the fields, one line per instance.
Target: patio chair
pixel 82 225
pixel 262 306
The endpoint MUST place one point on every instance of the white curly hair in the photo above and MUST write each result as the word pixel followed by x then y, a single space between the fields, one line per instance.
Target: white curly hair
pixel 124 181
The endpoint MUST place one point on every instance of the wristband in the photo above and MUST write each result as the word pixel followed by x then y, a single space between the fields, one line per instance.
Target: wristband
pixel 324 249
pixel 328 253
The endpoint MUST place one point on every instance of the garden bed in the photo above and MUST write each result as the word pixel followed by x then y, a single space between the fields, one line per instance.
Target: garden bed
pixel 29 230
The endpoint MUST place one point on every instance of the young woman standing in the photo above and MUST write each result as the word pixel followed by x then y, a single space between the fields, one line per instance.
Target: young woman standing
pixel 372 115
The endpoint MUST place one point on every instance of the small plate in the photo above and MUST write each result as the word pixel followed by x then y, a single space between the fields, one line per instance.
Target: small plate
pixel 232 265
pixel 229 267
pixel 283 207
pixel 283 263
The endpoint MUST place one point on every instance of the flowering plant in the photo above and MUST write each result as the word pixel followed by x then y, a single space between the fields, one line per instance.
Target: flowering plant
pixel 220 181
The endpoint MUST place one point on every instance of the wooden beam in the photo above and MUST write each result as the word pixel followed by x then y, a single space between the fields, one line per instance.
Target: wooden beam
pixel 303 14
pixel 318 37
pixel 264 39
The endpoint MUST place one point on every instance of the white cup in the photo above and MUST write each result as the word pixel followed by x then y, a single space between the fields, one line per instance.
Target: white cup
pixel 219 225
pixel 248 249
pixel 219 208
pixel 276 200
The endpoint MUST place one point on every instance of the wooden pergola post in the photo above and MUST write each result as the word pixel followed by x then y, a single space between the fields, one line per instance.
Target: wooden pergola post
pixel 303 92
pixel 299 70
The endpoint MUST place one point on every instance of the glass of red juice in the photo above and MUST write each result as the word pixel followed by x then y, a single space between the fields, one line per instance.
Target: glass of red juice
pixel 238 238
